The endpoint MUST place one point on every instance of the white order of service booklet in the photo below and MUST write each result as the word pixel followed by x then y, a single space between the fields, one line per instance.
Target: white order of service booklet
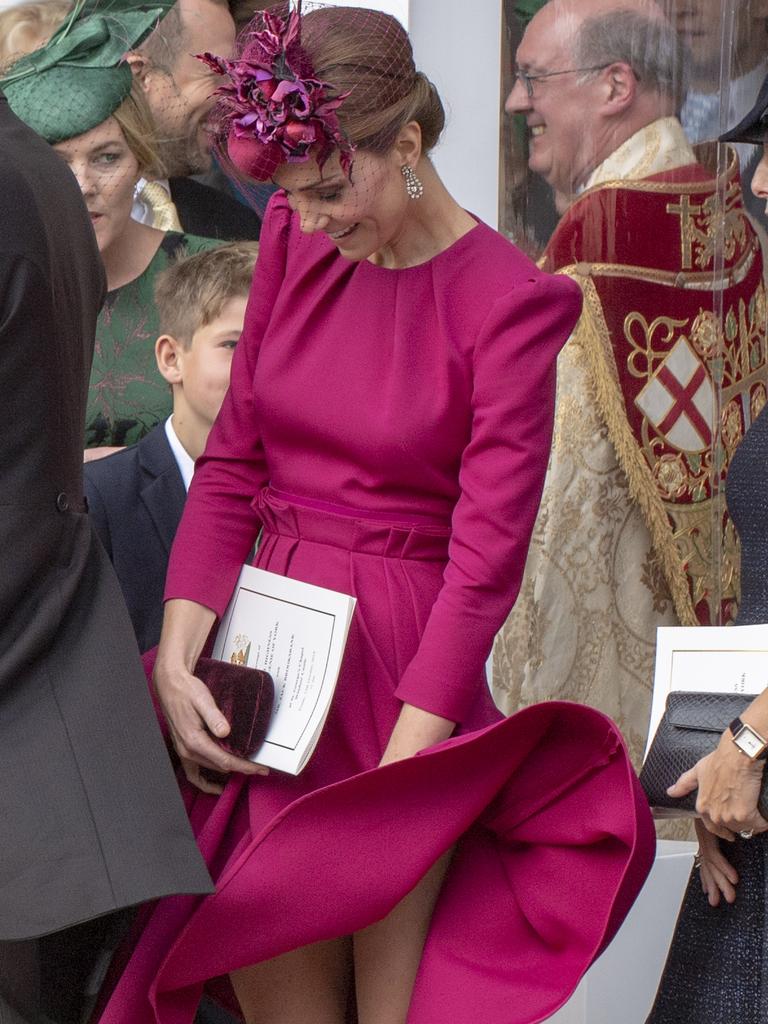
pixel 297 632
pixel 707 659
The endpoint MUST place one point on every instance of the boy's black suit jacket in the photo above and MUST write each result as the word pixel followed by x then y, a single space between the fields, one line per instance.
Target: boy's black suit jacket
pixel 135 500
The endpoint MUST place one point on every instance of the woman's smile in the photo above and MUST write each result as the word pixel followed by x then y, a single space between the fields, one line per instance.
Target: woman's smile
pixel 338 235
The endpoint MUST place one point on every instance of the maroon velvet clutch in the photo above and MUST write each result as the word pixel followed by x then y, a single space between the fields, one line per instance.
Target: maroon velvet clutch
pixel 245 697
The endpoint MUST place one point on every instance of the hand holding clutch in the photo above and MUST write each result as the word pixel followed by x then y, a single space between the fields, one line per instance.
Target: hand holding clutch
pixel 689 733
pixel 245 697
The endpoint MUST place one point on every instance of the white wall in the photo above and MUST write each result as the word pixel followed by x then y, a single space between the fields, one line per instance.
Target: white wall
pixel 399 8
pixel 457 43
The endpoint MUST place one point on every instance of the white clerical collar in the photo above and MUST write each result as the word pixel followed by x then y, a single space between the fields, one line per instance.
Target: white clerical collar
pixel 184 460
pixel 658 147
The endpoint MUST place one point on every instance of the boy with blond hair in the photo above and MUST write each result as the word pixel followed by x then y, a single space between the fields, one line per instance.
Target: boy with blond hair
pixel 136 496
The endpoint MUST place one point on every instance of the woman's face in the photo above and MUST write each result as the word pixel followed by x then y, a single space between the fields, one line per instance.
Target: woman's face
pixel 361 216
pixel 107 172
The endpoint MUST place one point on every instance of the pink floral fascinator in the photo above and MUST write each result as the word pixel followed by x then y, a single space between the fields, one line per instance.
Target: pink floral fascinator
pixel 273 109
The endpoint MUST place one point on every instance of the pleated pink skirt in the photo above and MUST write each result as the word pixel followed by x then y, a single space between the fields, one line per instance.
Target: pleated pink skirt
pixel 554 836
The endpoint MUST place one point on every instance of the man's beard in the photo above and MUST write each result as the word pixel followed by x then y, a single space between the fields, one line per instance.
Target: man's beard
pixel 183 156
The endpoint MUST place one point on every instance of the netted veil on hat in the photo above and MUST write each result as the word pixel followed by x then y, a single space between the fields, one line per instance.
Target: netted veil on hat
pixel 273 108
pixel 79 78
pixel 296 86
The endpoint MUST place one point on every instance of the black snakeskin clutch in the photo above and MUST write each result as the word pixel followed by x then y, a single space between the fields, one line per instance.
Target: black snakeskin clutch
pixel 690 728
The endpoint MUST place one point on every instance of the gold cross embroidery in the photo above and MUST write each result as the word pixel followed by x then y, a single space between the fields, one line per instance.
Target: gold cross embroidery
pixel 688 233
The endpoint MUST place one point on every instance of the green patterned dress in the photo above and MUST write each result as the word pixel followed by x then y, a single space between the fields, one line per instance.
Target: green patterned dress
pixel 126 394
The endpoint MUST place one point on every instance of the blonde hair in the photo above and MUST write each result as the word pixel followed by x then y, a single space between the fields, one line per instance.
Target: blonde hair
pixel 27 27
pixel 193 290
pixel 137 125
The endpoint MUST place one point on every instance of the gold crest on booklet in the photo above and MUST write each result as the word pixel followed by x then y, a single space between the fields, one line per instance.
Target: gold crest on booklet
pixel 241 650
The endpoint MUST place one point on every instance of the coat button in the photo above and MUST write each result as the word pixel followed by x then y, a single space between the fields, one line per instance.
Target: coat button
pixel 62 502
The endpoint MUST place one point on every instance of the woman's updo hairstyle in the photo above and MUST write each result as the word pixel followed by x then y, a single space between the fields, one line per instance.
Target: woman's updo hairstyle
pixel 368 54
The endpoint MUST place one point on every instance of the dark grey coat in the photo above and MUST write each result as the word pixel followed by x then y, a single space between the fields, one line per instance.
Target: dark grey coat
pixel 90 815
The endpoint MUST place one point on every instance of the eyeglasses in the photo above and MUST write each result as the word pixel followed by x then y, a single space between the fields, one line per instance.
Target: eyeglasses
pixel 528 80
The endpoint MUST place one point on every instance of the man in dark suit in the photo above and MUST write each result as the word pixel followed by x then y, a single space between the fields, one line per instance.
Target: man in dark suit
pixel 91 816
pixel 136 496
pixel 179 89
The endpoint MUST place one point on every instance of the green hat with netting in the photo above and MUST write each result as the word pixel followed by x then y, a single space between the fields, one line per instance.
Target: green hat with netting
pixel 79 78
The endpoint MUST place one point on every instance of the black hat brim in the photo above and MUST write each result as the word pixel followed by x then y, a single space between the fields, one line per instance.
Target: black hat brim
pixel 754 127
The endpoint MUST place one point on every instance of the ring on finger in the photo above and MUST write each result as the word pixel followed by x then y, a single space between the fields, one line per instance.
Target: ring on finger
pixel 747 833
pixel 697 860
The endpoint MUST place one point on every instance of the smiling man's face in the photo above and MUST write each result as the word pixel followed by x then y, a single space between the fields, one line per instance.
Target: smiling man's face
pixel 180 89
pixel 560 114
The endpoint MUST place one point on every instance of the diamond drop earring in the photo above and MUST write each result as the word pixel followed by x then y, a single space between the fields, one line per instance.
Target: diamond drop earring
pixel 413 185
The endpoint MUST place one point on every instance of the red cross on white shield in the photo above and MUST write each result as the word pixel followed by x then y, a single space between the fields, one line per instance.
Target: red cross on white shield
pixel 679 400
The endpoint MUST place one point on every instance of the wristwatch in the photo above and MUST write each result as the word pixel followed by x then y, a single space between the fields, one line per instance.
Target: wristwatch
pixel 748 740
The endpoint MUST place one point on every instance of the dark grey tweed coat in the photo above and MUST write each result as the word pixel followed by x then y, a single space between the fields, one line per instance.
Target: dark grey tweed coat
pixel 90 816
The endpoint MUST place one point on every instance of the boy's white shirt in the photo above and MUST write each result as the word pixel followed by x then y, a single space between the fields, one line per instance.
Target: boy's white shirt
pixel 184 460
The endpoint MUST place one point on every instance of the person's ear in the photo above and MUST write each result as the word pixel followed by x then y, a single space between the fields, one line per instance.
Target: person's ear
pixel 408 144
pixel 618 87
pixel 140 67
pixel 169 356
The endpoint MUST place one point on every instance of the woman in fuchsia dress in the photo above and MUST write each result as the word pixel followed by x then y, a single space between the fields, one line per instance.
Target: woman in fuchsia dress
pixel 387 430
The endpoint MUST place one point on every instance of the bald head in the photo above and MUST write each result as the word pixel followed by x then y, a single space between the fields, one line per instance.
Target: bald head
pixel 580 9
pixel 565 17
pixel 634 32
pixel 597 71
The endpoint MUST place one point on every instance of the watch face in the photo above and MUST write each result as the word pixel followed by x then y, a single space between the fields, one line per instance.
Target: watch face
pixel 749 742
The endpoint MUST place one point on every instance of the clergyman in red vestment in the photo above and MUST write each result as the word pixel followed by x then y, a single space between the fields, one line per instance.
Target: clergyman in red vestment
pixel 658 382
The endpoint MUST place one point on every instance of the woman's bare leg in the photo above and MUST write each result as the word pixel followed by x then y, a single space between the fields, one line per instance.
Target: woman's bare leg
pixel 306 986
pixel 387 954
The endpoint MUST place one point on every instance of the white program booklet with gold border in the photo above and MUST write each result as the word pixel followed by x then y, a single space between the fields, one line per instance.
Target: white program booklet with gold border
pixel 707 659
pixel 297 632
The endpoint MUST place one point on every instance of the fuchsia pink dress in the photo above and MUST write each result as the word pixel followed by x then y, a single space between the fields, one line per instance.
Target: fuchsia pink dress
pixel 388 431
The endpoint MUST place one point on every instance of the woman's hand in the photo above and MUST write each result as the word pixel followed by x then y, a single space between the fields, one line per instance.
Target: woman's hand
pixel 415 730
pixel 729 786
pixel 190 710
pixel 716 873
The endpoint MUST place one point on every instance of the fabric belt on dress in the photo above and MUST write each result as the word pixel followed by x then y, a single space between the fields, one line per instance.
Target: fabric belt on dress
pixel 357 530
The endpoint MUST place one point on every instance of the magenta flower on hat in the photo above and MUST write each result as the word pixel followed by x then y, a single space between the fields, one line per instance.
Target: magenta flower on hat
pixel 273 98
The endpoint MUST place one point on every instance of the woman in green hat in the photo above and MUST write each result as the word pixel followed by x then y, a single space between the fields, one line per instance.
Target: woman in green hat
pixel 79 94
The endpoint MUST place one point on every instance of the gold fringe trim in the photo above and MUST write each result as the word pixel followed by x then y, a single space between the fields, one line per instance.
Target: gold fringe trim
pixel 592 333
